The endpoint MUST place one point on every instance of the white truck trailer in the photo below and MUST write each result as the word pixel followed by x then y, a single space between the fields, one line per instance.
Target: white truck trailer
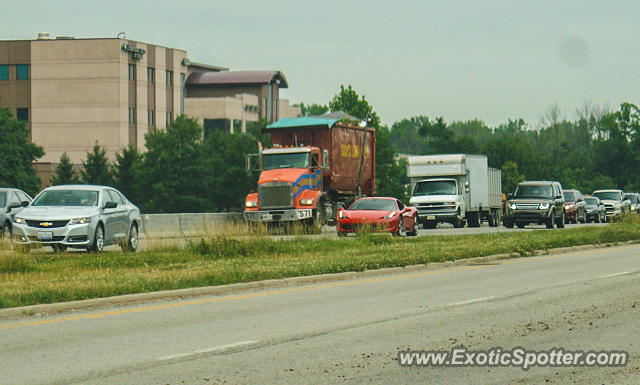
pixel 455 188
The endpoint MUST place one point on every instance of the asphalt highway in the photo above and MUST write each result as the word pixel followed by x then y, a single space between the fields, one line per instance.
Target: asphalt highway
pixel 348 331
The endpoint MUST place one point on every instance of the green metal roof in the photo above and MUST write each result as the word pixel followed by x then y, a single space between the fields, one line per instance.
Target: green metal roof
pixel 304 121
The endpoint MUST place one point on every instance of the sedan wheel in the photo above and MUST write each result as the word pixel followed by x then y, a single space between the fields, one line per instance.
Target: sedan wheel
pixel 6 232
pixel 132 242
pixel 98 241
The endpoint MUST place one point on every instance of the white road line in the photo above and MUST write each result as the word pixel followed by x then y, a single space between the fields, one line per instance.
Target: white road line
pixel 207 350
pixel 470 301
pixel 616 274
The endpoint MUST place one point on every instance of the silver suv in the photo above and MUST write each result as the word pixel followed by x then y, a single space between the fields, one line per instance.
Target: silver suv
pixel 78 216
pixel 540 202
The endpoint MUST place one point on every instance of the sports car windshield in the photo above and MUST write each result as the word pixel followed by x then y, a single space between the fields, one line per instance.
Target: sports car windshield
pixel 436 187
pixel 294 160
pixel 533 191
pixel 374 204
pixel 67 198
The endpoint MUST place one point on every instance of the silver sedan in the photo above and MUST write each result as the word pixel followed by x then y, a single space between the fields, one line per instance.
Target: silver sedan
pixel 78 216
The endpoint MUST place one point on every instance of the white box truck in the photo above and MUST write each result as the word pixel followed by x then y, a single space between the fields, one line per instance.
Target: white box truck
pixel 455 188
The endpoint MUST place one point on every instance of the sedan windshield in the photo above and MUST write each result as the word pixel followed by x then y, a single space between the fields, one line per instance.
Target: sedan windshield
pixel 374 204
pixel 534 191
pixel 294 160
pixel 591 201
pixel 569 196
pixel 67 198
pixel 436 187
pixel 608 195
pixel 3 198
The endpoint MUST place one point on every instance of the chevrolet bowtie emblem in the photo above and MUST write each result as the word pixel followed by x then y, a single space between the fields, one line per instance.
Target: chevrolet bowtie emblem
pixel 46 224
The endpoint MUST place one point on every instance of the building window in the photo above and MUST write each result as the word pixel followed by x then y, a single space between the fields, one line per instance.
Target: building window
pixel 22 72
pixel 22 114
pixel 151 75
pixel 4 72
pixel 132 72
pixel 264 108
pixel 169 119
pixel 169 78
pixel 276 103
pixel 213 125
pixel 151 118
pixel 132 115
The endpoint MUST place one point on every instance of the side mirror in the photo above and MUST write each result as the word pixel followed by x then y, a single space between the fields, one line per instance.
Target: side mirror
pixel 24 203
pixel 579 200
pixel 13 206
pixel 110 205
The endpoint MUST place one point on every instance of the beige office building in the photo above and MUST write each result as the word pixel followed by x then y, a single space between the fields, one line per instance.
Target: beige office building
pixel 73 93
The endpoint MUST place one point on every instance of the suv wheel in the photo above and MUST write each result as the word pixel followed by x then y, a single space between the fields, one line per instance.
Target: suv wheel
pixel 560 223
pixel 551 221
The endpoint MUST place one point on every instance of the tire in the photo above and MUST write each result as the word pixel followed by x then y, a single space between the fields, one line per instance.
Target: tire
pixel 508 223
pixel 560 224
pixel 551 221
pixel 399 232
pixel 131 244
pixel 98 241
pixel 413 232
pixel 58 248
pixel 520 225
pixel 6 232
pixel 342 234
pixel 473 220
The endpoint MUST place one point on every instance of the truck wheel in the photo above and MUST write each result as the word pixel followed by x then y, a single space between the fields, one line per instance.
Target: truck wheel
pixel 508 223
pixel 521 225
pixel 560 223
pixel 458 223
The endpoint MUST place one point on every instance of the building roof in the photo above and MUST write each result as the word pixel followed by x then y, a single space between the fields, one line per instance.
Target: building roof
pixel 210 78
pixel 204 67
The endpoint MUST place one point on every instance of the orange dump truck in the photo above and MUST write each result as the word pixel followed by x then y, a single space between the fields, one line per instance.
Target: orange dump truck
pixel 313 167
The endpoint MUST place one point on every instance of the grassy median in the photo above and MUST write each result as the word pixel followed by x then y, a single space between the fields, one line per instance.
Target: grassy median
pixel 36 278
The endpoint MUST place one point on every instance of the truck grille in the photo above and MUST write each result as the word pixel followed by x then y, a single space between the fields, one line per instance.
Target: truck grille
pixel 527 206
pixel 274 195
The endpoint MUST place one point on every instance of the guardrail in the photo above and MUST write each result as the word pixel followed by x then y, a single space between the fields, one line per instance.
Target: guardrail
pixel 186 224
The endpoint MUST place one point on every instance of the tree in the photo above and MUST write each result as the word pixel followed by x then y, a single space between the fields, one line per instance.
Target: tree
pixel 65 174
pixel 17 155
pixel 347 100
pixel 125 172
pixel 312 109
pixel 96 169
pixel 510 177
pixel 172 176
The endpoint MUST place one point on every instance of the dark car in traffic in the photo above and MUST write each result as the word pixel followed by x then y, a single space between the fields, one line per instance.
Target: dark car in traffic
pixel 574 206
pixel 596 211
pixel 539 202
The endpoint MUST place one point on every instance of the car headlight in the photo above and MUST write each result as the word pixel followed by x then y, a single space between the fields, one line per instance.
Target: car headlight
pixel 544 205
pixel 512 206
pixel 18 220
pixel 341 214
pixel 80 221
pixel 251 204
pixel 569 206
pixel 306 202
pixel 391 214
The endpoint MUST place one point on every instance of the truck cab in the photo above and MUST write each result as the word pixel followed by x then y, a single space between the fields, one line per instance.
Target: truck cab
pixel 290 185
pixel 439 200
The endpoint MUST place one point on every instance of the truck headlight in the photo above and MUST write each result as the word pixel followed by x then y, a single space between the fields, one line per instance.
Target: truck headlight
pixel 512 206
pixel 80 221
pixel 306 202
pixel 544 205
pixel 251 204
pixel 18 220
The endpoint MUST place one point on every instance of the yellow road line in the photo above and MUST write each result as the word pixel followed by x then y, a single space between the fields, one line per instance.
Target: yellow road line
pixel 295 290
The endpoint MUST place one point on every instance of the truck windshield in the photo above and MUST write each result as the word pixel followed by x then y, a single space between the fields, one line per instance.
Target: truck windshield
pixel 291 160
pixel 435 187
pixel 533 191
pixel 608 195
pixel 374 204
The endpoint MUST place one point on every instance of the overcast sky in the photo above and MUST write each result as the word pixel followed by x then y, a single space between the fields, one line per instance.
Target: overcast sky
pixel 491 60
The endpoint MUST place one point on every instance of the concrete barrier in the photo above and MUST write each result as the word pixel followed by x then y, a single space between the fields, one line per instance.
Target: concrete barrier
pixel 186 224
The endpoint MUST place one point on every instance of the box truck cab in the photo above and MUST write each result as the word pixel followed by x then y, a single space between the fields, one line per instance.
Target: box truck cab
pixel 455 188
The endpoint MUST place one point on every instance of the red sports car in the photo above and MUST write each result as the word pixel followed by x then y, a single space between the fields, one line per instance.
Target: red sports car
pixel 378 214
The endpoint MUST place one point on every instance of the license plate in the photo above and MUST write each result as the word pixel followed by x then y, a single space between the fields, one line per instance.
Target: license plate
pixel 431 217
pixel 45 235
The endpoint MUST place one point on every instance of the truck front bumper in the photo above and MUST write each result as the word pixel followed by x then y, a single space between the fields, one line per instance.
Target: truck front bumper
pixel 288 215
pixel 438 216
